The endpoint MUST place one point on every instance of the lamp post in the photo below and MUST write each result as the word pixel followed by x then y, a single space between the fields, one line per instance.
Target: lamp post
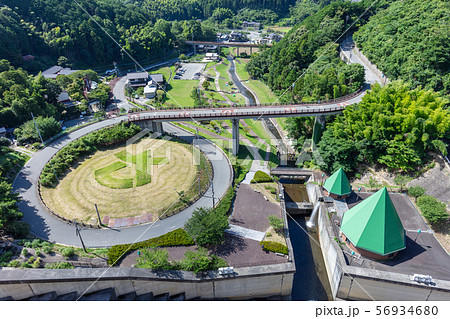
pixel 322 178
pixel 418 232
pixel 77 232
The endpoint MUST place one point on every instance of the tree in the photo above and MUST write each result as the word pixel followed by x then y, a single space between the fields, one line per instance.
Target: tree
pixel 416 191
pixel 10 215
pixel 207 226
pixel 373 183
pixel 182 57
pixel 27 132
pixel 206 85
pixel 63 61
pixel 197 261
pixel 401 180
pixel 153 258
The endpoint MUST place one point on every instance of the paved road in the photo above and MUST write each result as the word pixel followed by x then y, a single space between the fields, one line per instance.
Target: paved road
pixel 48 227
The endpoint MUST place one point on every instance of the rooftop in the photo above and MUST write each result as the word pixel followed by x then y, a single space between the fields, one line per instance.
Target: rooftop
pixel 137 75
pixel 374 225
pixel 338 183
pixel 157 77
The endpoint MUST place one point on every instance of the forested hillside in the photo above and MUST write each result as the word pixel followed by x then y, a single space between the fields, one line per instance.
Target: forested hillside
pixel 410 41
pixel 313 39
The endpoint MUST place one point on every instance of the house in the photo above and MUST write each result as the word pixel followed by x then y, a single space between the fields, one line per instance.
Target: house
pixel 150 91
pixel 237 37
pixel 210 48
pixel 54 71
pixel 211 57
pixel 137 79
pixel 159 79
pixel 373 228
pixel 2 132
pixel 63 97
pixel 337 185
pixel 94 106
pixel 274 37
pixel 255 25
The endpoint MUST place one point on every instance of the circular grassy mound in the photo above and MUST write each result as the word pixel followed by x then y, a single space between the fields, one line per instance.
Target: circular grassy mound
pixel 147 177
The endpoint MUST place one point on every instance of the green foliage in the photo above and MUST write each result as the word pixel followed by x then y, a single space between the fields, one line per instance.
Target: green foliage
pixel 70 154
pixel 59 265
pixel 177 237
pixel 10 215
pixel 409 41
pixel 24 252
pixel 27 132
pixel 199 261
pixel 153 258
pixel 392 125
pixel 274 247
pixel 207 226
pixel 261 177
pixel 36 263
pixel 104 177
pixel 5 258
pixel 4 142
pixel 416 191
pixel 277 224
pixel 68 252
pixel 433 210
pixel 14 263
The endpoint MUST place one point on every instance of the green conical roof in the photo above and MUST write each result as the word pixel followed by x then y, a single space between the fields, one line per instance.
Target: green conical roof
pixel 374 225
pixel 338 183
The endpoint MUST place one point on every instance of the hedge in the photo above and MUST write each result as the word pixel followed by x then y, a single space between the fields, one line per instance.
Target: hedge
pixel 261 177
pixel 274 247
pixel 433 210
pixel 177 237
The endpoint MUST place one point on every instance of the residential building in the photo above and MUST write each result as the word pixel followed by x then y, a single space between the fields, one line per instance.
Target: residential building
pixel 211 57
pixel 137 79
pixel 256 25
pixel 237 37
pixel 159 79
pixel 54 71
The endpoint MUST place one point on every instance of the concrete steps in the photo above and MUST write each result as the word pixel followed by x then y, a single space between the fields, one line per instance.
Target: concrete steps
pixel 108 294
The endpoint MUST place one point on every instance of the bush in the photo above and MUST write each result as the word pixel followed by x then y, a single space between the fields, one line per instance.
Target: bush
pixel 274 247
pixel 31 259
pixel 416 191
pixel 177 237
pixel 276 223
pixel 36 263
pixel 25 264
pixel 14 263
pixel 433 210
pixel 261 177
pixel 154 258
pixel 4 142
pixel 200 260
pixel 68 252
pixel 59 265
pixel 5 258
pixel 47 249
pixel 24 252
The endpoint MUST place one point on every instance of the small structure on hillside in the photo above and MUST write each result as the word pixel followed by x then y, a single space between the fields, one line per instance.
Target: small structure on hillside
pixel 373 227
pixel 137 79
pixel 150 89
pixel 337 185
pixel 247 24
pixel 54 71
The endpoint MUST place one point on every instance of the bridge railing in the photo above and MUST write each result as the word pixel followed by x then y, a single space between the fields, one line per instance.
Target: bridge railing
pixel 310 103
pixel 268 112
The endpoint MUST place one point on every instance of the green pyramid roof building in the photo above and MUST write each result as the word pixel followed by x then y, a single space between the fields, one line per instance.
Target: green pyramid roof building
pixel 338 183
pixel 374 225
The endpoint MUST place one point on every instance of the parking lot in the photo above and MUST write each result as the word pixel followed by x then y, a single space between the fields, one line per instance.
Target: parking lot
pixel 191 71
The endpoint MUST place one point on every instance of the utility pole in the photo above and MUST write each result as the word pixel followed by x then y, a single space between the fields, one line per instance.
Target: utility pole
pixel 98 216
pixel 42 141
pixel 77 232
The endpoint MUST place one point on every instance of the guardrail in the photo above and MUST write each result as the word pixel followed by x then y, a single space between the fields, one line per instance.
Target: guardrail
pixel 287 104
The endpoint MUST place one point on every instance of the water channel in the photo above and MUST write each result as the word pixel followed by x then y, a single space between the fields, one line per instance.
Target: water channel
pixel 310 279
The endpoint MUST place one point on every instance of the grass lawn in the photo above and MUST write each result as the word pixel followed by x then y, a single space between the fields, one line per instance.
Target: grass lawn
pixel 214 94
pixel 179 92
pixel 79 190
pixel 241 72
pixel 277 28
pixel 210 64
pixel 236 98
pixel 223 71
pixel 265 95
pixel 166 71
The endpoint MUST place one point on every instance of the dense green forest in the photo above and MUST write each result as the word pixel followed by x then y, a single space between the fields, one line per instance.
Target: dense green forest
pixel 296 54
pixel 410 40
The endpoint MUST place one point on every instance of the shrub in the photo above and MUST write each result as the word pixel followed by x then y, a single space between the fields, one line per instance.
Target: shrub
pixel 47 249
pixel 177 237
pixel 274 247
pixel 4 142
pixel 5 258
pixel 276 223
pixel 24 252
pixel 14 263
pixel 25 264
pixel 154 258
pixel 59 265
pixel 36 263
pixel 261 177
pixel 68 252
pixel 38 252
pixel 416 191
pixel 200 260
pixel 433 210
pixel 36 243
pixel 31 259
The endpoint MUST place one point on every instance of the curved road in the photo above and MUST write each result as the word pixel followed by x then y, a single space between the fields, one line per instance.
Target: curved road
pixel 48 227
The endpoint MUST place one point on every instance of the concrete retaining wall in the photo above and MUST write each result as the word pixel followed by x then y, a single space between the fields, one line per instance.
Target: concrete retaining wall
pixel 246 283
pixel 382 77
pixel 357 283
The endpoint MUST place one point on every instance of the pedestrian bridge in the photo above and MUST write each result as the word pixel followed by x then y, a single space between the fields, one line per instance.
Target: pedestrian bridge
pixel 153 119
